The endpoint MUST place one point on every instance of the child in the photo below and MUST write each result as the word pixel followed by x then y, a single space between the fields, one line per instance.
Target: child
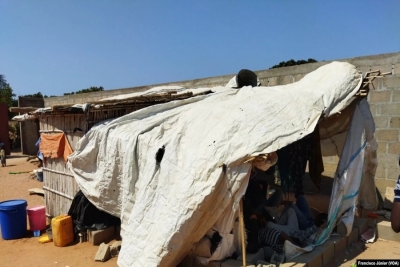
pixel 2 156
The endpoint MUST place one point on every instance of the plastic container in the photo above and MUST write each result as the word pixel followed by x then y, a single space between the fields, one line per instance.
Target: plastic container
pixel 49 233
pixel 36 233
pixel 39 175
pixel 37 218
pixel 63 232
pixel 13 219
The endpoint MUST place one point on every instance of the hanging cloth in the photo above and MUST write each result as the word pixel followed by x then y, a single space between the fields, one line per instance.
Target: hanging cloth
pixel 316 165
pixel 283 167
pixel 55 146
pixel 299 154
pixel 86 216
pixel 292 163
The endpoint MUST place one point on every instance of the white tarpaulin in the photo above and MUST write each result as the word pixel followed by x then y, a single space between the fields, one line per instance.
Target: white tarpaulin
pixel 355 172
pixel 165 208
pixel 23 117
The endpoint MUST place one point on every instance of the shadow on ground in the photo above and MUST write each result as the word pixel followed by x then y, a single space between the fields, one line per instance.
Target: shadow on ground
pixel 16 156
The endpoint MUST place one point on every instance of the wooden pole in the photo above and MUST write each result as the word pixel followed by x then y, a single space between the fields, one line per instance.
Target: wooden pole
pixel 241 225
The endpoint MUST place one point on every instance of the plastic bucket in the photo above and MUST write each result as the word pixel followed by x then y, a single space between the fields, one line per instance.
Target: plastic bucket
pixel 39 175
pixel 13 218
pixel 37 218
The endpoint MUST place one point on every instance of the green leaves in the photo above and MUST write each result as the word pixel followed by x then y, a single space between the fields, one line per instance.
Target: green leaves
pixel 6 93
pixel 87 90
pixel 293 62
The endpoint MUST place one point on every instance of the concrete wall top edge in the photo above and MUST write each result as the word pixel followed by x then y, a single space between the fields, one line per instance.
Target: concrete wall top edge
pixel 373 60
pixel 380 59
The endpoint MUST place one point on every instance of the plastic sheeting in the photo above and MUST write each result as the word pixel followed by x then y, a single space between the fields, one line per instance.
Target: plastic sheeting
pixel 166 207
pixel 354 173
pixel 23 117
pixel 151 91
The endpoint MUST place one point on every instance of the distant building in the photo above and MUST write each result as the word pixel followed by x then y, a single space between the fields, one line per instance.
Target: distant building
pixel 29 129
pixel 4 137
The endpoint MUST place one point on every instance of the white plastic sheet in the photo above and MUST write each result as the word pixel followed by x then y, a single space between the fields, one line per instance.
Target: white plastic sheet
pixel 23 117
pixel 166 208
pixel 353 174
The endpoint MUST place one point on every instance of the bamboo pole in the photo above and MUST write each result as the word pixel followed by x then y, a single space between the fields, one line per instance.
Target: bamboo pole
pixel 241 225
pixel 57 192
pixel 386 73
pixel 58 172
pixel 374 71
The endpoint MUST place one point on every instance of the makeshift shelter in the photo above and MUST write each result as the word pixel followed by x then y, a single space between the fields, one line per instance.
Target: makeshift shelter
pixel 166 207
pixel 174 171
pixel 74 121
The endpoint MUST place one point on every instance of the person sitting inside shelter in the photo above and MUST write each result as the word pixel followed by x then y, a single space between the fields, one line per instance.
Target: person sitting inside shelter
pixel 295 225
pixel 296 220
pixel 296 216
pixel 255 198
pixel 259 235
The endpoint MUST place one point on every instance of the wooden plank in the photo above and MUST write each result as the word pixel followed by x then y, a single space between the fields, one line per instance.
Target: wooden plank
pixel 38 191
pixel 374 71
pixel 22 109
pixel 386 73
pixel 58 193
pixel 58 172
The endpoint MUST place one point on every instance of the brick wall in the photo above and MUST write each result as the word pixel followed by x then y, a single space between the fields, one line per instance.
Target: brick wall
pixel 384 102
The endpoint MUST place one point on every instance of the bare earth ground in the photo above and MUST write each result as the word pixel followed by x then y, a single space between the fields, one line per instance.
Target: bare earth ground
pixel 381 249
pixel 29 252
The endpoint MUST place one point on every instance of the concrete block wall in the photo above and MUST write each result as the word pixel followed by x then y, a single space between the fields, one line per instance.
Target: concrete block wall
pixel 384 102
pixel 385 107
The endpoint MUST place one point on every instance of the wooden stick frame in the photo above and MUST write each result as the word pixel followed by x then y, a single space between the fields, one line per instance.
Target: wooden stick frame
pixel 242 229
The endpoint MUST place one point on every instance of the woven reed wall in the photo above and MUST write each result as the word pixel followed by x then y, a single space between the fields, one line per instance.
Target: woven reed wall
pixel 58 183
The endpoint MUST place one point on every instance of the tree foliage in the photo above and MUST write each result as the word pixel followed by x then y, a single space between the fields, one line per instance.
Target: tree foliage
pixel 6 93
pixel 38 94
pixel 87 90
pixel 293 62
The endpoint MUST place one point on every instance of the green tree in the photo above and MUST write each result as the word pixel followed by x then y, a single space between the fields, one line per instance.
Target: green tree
pixel 6 93
pixel 38 94
pixel 293 62
pixel 87 90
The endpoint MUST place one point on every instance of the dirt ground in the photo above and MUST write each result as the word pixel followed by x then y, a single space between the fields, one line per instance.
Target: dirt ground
pixel 29 252
pixel 381 249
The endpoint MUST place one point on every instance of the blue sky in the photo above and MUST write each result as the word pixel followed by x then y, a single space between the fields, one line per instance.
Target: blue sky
pixel 59 46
